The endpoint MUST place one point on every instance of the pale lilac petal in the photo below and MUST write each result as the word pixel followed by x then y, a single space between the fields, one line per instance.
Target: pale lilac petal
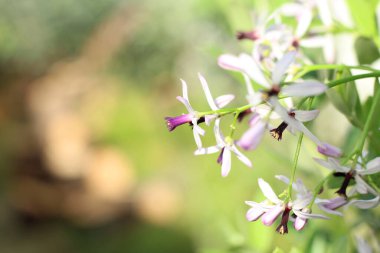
pixel 197 128
pixel 226 162
pixel 362 187
pixel 224 100
pixel 184 90
pixel 218 134
pixel 365 204
pixel 206 151
pixel 197 138
pixel 252 137
pixel 307 215
pixel 282 65
pixel 373 167
pixel 329 205
pixel 252 69
pixel 230 62
pixel 209 118
pixel 329 150
pixel 249 85
pixel 254 214
pixel 241 157
pixel 268 191
pixel 207 92
pixel 305 89
pixel 305 116
pixel 270 216
pixel 185 103
pixel 332 166
pixel 304 22
pixel 362 245
pixel 299 223
pixel 299 204
pixel 283 178
pixel 313 42
pixel 255 99
pixel 262 205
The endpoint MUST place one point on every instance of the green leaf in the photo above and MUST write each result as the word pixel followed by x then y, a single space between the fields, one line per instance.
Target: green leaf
pixel 336 182
pixel 345 98
pixel 364 16
pixel 366 50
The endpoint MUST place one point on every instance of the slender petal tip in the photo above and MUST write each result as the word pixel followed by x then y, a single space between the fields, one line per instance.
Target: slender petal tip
pixel 329 150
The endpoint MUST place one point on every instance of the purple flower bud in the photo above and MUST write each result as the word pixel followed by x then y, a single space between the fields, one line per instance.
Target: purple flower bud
pixel 252 35
pixel 252 137
pixel 329 150
pixel 173 122
pixel 270 216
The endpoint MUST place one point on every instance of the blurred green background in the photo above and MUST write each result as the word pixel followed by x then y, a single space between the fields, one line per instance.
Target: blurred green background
pixel 87 163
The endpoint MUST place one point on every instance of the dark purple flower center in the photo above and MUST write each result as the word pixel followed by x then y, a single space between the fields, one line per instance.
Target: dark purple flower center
pixel 277 132
pixel 244 114
pixel 220 157
pixel 252 35
pixel 347 178
pixel 283 227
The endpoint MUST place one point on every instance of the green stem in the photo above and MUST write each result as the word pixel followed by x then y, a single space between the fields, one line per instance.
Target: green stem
pixel 307 69
pixel 318 189
pixel 370 117
pixel 296 155
pixel 352 78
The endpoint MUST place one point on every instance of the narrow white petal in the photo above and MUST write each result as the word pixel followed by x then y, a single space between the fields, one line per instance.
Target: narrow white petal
pixel 305 116
pixel 255 99
pixel 230 62
pixel 209 118
pixel 373 167
pixel 362 187
pixel 304 22
pixel 197 128
pixel 206 151
pixel 313 42
pixel 268 191
pixel 197 138
pixel 322 202
pixel 282 65
pixel 224 100
pixel 226 162
pixel 263 205
pixel 241 157
pixel 282 178
pixel 288 102
pixel 218 134
pixel 184 90
pixel 324 12
pixel 299 204
pixel 329 51
pixel 248 83
pixel 306 215
pixel 365 204
pixel 342 13
pixel 185 103
pixel 252 69
pixel 207 92
pixel 305 89
pixel 329 164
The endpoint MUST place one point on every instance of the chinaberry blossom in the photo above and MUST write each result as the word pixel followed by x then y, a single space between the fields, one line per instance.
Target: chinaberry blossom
pixel 225 146
pixel 193 117
pixel 271 208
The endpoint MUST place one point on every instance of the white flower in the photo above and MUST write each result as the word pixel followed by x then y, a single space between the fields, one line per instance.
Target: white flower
pixel 226 146
pixel 192 116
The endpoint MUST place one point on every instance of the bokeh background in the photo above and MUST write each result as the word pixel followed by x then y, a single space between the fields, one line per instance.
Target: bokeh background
pixel 86 161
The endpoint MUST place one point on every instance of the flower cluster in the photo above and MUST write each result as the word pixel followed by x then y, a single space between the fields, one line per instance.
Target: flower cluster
pixel 277 89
